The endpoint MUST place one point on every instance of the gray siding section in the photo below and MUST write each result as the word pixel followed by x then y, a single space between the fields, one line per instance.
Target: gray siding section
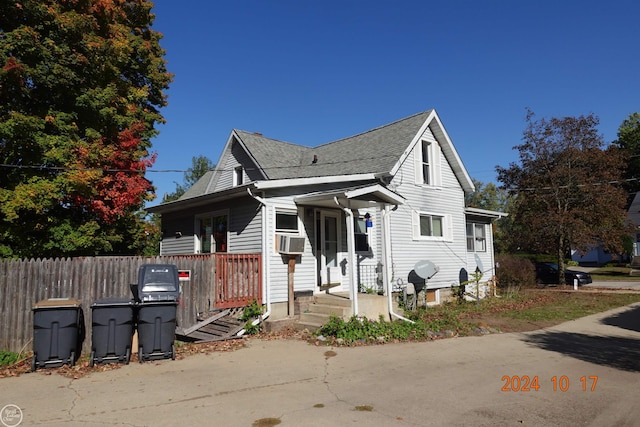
pixel 224 178
pixel 448 200
pixel 238 157
pixel 245 227
pixel 173 224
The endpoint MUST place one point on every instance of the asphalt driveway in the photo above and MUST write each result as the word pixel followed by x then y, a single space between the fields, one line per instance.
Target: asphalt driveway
pixel 580 373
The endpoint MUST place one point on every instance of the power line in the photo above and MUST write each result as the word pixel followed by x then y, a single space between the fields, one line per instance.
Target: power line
pixel 66 168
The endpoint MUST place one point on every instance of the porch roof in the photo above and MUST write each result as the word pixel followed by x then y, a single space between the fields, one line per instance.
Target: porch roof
pixel 484 213
pixel 354 197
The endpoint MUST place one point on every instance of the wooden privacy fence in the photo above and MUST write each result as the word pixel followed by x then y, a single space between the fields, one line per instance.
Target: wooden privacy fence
pixel 88 279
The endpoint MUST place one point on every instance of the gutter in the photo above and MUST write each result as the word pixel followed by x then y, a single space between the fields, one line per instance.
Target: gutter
pixel 386 255
pixel 353 288
pixel 265 264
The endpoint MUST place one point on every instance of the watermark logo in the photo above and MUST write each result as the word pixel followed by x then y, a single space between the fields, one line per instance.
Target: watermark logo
pixel 11 415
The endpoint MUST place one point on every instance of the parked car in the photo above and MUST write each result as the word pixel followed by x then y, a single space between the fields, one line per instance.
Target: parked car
pixel 547 273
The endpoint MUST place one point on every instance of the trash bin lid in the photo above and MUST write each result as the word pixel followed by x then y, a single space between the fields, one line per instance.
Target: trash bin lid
pixel 112 302
pixel 58 302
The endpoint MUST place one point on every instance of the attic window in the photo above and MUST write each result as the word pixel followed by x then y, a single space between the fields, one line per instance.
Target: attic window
pixel 426 174
pixel 238 176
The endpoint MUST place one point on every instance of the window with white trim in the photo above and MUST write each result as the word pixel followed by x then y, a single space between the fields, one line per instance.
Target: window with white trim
pixel 425 165
pixel 428 163
pixel 431 226
pixel 287 221
pixel 476 237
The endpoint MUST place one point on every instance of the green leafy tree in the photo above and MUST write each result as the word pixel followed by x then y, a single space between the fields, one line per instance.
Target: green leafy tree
pixel 565 196
pixel 629 140
pixel 487 196
pixel 200 165
pixel 81 85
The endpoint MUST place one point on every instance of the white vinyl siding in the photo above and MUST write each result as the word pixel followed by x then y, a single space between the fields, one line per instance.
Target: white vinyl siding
pixel 446 200
pixel 305 274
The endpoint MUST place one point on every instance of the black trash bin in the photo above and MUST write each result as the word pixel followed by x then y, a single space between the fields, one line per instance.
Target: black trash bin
pixel 58 332
pixel 157 282
pixel 156 322
pixel 112 327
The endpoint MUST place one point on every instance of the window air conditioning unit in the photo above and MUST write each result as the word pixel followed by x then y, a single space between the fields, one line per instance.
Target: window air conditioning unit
pixel 290 245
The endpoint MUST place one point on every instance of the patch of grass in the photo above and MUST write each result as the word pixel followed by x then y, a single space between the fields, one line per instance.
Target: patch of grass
pixel 527 310
pixel 561 306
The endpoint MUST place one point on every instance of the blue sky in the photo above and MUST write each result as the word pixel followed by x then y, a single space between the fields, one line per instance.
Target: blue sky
pixel 310 72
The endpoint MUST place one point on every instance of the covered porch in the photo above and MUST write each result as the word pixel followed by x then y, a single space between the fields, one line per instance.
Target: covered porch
pixel 355 217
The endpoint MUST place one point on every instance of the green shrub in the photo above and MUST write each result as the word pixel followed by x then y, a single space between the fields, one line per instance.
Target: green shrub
pixel 249 314
pixel 359 329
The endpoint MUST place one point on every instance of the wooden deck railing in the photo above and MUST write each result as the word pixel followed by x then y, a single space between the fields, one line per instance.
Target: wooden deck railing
pixel 238 280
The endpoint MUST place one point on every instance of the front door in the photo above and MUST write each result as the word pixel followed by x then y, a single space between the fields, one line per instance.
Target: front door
pixel 328 231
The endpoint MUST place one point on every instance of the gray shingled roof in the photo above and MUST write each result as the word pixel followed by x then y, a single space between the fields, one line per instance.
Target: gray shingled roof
pixel 199 187
pixel 374 151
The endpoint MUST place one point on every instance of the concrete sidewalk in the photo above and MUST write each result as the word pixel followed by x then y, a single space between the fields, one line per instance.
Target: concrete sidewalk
pixel 472 381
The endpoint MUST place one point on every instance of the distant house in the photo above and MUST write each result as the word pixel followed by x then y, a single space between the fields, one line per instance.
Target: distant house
pixel 597 255
pixel 358 214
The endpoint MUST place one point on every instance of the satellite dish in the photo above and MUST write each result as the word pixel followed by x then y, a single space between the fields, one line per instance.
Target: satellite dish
pixel 479 263
pixel 425 269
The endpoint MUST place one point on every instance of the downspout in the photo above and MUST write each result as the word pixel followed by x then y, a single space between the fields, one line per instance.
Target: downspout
pixel 386 255
pixel 353 290
pixel 265 263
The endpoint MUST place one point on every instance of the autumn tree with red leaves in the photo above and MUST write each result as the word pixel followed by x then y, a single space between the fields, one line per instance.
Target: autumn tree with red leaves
pixel 81 85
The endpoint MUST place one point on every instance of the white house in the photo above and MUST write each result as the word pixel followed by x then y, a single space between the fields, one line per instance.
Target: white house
pixel 358 214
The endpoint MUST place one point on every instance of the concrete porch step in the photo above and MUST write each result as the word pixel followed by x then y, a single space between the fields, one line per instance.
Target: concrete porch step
pixel 316 313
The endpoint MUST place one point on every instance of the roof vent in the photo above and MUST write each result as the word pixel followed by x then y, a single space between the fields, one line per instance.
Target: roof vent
pixel 258 133
pixel 315 159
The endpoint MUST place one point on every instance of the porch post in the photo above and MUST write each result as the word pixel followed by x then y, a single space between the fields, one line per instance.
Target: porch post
pixel 353 286
pixel 351 254
pixel 291 270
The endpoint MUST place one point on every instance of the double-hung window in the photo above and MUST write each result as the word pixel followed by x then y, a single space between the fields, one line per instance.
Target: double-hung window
pixel 428 164
pixel 476 237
